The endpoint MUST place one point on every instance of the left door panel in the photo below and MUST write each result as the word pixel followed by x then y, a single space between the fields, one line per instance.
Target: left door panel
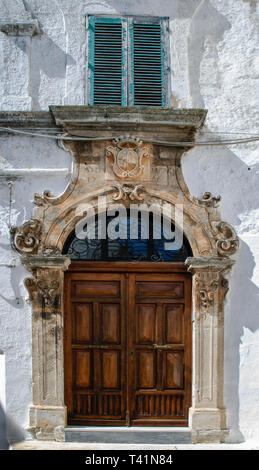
pixel 95 349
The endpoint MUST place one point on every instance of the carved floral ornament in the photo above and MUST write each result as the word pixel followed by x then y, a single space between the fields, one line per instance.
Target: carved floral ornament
pixel 128 155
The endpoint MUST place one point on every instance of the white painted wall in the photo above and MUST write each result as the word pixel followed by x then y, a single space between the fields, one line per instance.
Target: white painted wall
pixel 2 379
pixel 214 65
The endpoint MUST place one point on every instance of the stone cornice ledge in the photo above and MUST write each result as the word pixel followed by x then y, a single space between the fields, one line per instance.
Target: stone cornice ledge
pixel 146 114
pixel 208 264
pixel 20 28
pixel 27 119
pixel 32 262
pixel 101 121
pixel 79 120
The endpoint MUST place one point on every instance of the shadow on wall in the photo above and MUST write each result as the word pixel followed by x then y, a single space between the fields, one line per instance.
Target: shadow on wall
pixel 175 9
pixel 46 57
pixel 10 432
pixel 220 171
pixel 206 22
pixel 242 312
pixel 4 445
pixel 18 273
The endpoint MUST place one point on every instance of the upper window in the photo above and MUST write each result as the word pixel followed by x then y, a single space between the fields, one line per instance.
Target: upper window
pixel 128 61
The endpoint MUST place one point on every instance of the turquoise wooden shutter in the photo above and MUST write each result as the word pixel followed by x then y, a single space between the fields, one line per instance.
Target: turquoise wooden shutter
pixel 147 59
pixel 106 60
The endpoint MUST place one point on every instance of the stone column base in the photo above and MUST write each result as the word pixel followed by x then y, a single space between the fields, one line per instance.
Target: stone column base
pixel 208 425
pixel 48 422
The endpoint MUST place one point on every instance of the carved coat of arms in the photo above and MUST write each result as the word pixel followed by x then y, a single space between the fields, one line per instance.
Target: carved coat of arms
pixel 128 157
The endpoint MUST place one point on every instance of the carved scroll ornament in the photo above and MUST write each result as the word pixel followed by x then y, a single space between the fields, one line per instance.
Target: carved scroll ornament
pixel 226 238
pixel 128 190
pixel 208 200
pixel 27 238
pixel 46 198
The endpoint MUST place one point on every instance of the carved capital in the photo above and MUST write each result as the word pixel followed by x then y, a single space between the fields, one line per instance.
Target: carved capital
pixel 200 264
pixel 205 289
pixel 49 292
pixel 226 238
pixel 209 285
pixel 27 238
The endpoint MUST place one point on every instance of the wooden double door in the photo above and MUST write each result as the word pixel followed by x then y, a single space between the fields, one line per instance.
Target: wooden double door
pixel 127 344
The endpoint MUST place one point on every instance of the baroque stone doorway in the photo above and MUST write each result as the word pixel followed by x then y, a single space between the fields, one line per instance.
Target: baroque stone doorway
pixel 157 178
pixel 128 344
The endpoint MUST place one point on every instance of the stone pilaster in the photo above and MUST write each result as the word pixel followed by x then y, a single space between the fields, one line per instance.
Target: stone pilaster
pixel 45 287
pixel 208 415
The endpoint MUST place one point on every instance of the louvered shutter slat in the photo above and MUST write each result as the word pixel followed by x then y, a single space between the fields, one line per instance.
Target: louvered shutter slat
pixel 147 64
pixel 108 63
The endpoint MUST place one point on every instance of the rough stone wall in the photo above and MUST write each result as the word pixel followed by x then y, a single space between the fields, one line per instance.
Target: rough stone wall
pixel 214 65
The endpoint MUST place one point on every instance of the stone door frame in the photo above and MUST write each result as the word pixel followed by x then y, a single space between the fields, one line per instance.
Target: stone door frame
pixel 158 178
pixel 207 416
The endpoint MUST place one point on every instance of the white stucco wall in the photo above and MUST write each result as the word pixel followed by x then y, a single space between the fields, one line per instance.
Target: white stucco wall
pixel 214 64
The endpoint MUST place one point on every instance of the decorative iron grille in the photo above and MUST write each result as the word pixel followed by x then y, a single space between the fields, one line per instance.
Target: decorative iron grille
pixel 150 248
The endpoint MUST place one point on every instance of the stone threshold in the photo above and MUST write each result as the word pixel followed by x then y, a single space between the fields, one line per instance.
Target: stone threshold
pixel 128 435
pixel 53 445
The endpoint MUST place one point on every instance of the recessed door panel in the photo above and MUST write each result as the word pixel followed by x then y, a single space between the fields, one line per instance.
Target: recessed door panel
pixel 174 319
pixel 145 323
pixel 110 323
pixel 82 323
pixel 83 369
pixel 110 361
pixel 146 369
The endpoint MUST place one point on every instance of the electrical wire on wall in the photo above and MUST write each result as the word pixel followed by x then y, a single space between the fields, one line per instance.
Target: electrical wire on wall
pixel 254 138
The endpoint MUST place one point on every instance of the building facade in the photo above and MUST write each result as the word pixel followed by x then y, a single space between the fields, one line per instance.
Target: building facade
pixel 117 105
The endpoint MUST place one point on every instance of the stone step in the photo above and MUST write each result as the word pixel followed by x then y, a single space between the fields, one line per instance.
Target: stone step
pixel 124 435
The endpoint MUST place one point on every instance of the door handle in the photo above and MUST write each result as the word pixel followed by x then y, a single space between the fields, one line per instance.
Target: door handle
pixel 162 346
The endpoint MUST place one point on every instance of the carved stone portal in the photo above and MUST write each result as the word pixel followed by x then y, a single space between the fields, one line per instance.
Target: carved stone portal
pixel 124 175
